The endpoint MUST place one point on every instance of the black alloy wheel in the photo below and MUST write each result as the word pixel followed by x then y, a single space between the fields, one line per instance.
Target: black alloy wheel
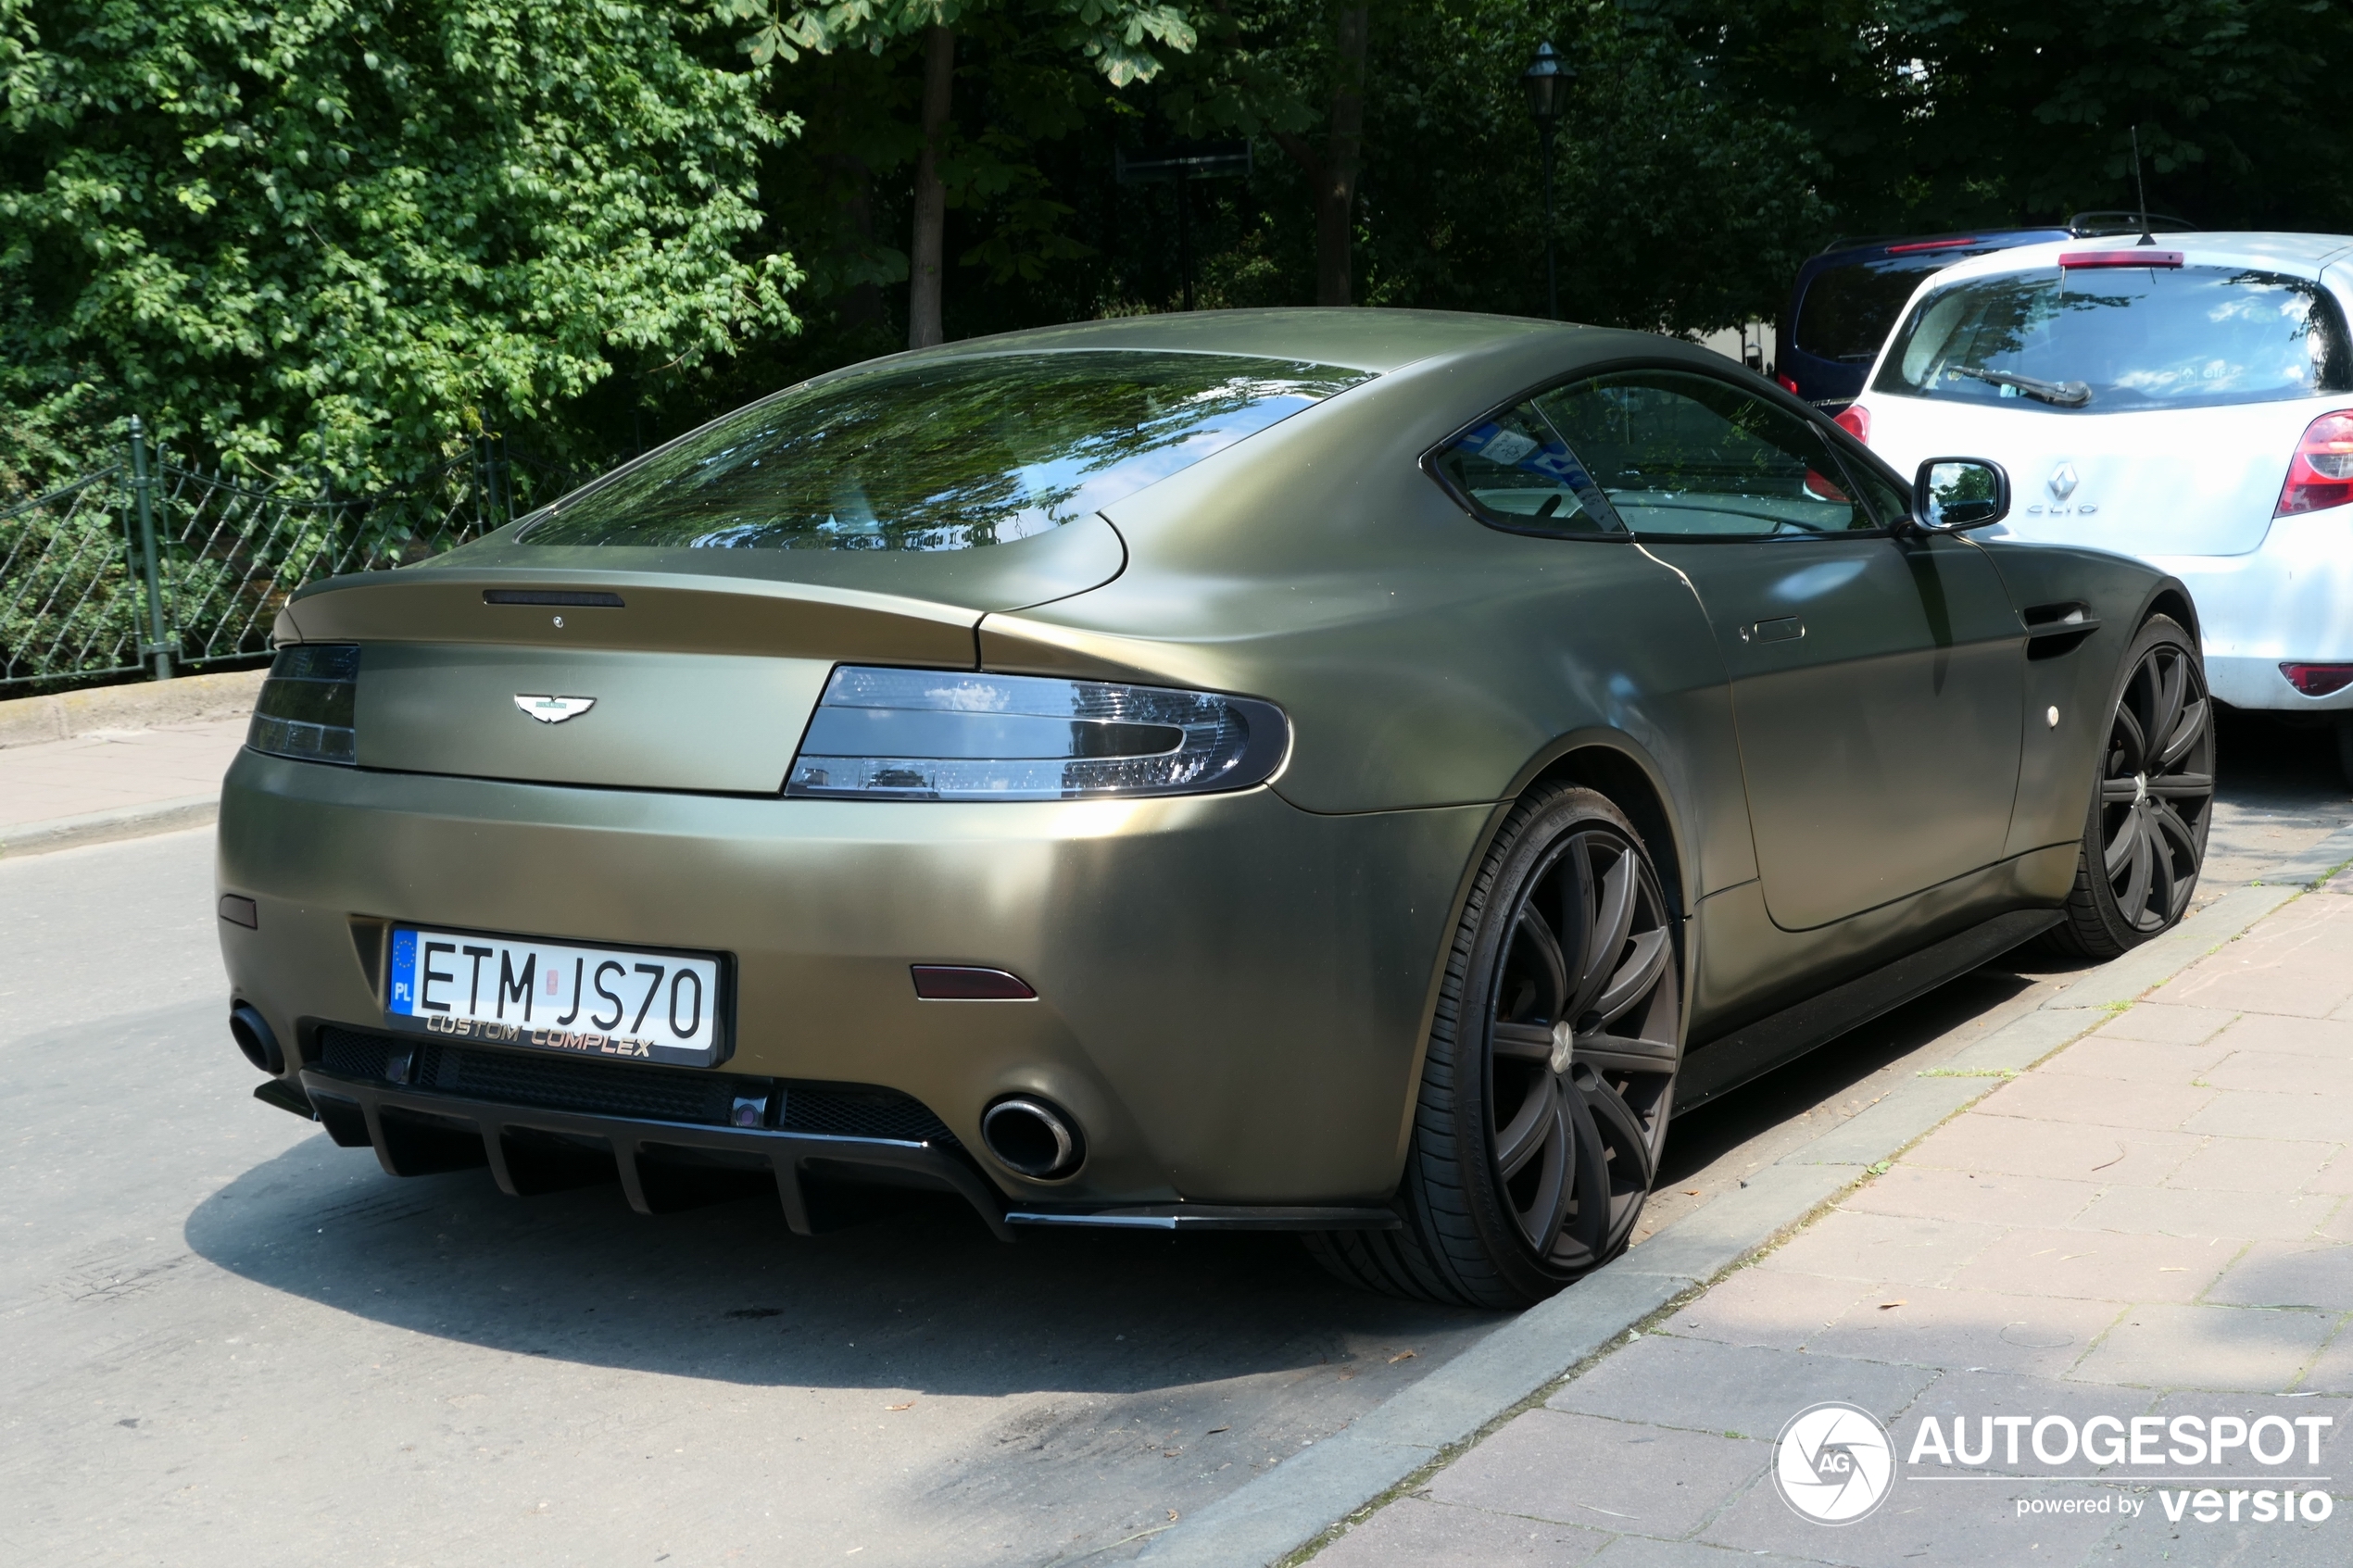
pixel 1551 1070
pixel 2146 840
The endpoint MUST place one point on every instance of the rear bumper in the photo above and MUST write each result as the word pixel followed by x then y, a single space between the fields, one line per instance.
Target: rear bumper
pixel 2291 599
pixel 1232 993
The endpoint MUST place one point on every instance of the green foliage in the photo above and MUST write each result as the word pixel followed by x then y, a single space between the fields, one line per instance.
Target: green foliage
pixel 1935 114
pixel 349 233
pixel 1116 35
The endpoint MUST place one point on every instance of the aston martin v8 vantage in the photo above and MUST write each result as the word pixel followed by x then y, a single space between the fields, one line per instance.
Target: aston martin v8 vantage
pixel 1345 772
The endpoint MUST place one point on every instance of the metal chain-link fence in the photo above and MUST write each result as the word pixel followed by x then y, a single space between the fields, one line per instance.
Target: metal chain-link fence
pixel 83 599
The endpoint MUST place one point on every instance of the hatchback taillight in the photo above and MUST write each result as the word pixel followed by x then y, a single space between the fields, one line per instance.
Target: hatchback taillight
pixel 2320 474
pixel 2318 680
pixel 1855 420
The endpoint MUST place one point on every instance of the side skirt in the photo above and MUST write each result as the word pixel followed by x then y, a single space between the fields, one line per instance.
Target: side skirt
pixel 1732 1059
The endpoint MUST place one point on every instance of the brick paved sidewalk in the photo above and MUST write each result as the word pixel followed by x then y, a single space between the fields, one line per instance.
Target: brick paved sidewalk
pixel 2152 1222
pixel 114 770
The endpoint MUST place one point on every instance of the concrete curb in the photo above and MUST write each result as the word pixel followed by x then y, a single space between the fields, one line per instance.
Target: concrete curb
pixel 103 827
pixel 1268 1519
pixel 139 705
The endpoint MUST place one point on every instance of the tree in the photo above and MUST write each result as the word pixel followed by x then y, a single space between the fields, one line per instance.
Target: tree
pixel 1116 35
pixel 353 232
pixel 1935 114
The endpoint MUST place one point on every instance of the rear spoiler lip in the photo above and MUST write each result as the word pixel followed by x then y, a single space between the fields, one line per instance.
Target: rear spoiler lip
pixel 665 613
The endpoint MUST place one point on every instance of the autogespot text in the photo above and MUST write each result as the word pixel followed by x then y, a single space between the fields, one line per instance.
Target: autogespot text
pixel 2204 1469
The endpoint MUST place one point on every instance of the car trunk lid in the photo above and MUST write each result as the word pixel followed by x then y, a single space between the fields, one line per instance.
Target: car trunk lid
pixel 683 670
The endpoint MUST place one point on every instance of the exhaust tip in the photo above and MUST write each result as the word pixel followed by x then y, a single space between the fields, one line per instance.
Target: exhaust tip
pixel 1033 1137
pixel 256 1038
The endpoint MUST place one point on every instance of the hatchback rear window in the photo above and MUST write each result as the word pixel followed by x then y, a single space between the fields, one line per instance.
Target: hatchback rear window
pixel 1846 311
pixel 2113 338
pixel 948 455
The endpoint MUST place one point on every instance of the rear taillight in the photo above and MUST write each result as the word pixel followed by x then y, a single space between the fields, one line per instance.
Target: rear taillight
pixel 1855 420
pixel 2320 474
pixel 306 706
pixel 2318 680
pixel 952 735
pixel 1788 384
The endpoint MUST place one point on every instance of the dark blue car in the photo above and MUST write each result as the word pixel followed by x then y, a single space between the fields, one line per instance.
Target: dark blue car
pixel 1846 299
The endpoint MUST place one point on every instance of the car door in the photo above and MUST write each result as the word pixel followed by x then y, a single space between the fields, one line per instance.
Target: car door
pixel 1876 678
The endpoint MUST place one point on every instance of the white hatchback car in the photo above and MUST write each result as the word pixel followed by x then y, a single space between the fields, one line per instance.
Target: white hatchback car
pixel 2188 401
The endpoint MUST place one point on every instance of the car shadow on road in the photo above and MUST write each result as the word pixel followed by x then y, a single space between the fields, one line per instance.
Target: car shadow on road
pixel 921 1297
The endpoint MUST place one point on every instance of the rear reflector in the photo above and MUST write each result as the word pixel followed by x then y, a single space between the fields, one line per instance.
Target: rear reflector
pixel 2140 256
pixel 1931 244
pixel 946 982
pixel 2318 680
pixel 2320 474
pixel 1855 420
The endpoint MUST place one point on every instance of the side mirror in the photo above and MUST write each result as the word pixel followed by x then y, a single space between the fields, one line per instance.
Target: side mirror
pixel 1952 493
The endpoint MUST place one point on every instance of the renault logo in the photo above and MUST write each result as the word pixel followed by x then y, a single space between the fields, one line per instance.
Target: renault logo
pixel 2062 482
pixel 554 710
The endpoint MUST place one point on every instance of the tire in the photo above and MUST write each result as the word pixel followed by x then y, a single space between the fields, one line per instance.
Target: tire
pixel 2145 838
pixel 2345 749
pixel 1550 1074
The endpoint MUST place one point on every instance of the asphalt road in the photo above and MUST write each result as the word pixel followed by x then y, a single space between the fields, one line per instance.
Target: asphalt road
pixel 230 1342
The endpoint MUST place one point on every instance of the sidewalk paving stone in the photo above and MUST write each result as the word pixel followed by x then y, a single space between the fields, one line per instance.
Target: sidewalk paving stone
pixel 1735 1389
pixel 2014 1145
pixel 2104 1267
pixel 2105 1102
pixel 2245 1113
pixel 2168 1024
pixel 1418 1533
pixel 2250 1348
pixel 2278 1216
pixel 1630 1475
pixel 1999 1331
pixel 1930 1193
pixel 1769 1308
pixel 108 769
pixel 2299 1037
pixel 1850 1243
pixel 2290 1274
pixel 2256 1165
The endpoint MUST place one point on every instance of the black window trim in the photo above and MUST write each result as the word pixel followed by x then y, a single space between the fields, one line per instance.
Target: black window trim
pixel 1844 447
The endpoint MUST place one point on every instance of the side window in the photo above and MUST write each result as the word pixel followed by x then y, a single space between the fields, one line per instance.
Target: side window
pixel 1516 472
pixel 1687 456
pixel 1889 502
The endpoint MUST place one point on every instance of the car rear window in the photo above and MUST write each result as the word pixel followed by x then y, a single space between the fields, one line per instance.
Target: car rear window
pixel 948 455
pixel 2112 338
pixel 1846 311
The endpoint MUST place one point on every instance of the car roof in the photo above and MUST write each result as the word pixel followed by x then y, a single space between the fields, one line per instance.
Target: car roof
pixel 1354 339
pixel 2294 253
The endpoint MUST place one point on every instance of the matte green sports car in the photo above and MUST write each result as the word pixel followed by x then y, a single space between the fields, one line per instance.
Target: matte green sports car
pixel 1345 772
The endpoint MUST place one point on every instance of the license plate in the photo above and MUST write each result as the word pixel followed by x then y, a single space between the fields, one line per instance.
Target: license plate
pixel 612 1002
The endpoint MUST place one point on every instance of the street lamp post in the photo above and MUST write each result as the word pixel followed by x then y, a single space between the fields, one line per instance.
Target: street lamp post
pixel 1546 83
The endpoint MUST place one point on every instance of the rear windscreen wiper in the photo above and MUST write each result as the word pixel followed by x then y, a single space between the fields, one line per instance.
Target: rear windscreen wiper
pixel 2066 393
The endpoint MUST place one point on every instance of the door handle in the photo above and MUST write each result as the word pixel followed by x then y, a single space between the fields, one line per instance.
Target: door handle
pixel 1787 628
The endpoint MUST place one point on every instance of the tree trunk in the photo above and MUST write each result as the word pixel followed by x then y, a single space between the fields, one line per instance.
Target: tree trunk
pixel 931 196
pixel 1332 176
